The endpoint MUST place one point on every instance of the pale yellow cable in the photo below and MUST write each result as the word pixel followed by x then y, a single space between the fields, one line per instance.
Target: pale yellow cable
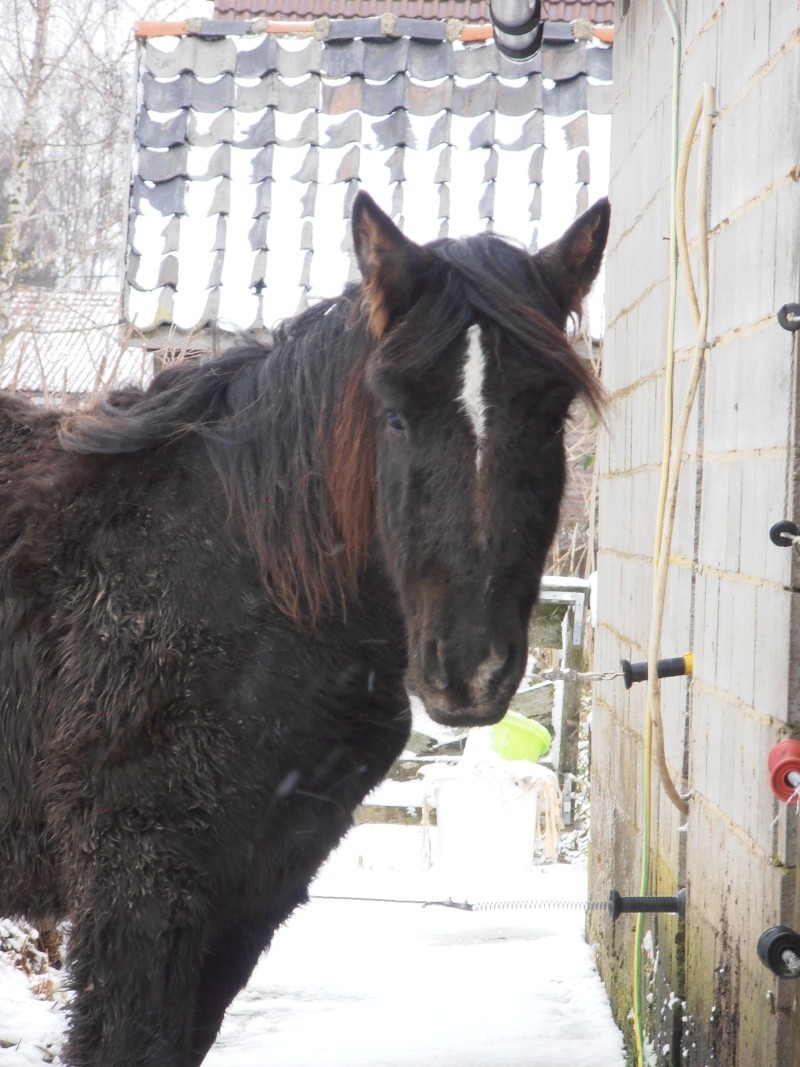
pixel 654 732
pixel 647 747
pixel 680 205
pixel 672 474
pixel 704 107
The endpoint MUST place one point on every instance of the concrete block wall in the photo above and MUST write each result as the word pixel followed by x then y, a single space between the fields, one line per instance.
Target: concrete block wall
pixel 730 595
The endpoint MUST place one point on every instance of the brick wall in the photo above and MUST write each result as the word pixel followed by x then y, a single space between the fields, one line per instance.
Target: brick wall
pixel 729 598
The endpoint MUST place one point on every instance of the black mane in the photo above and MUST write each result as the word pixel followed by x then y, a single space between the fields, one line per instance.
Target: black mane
pixel 226 399
pixel 253 408
pixel 504 284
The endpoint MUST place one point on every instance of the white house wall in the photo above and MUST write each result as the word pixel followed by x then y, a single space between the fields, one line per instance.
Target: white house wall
pixel 729 598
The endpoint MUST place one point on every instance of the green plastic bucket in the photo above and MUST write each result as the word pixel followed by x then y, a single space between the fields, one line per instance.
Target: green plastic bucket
pixel 517 737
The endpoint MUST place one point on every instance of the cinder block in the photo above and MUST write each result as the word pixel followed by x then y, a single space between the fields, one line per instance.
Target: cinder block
pixel 706 640
pixel 639 258
pixel 705 744
pixel 764 495
pixel 609 454
pixel 609 578
pixel 742 678
pixel 609 459
pixel 741 132
pixel 722 397
pixel 676 632
pixel 624 597
pixel 650 442
pixel 732 518
pixel 682 376
pixel 649 347
pixel 787 248
pixel 771 631
pixel 644 506
pixel 741 297
pixel 782 24
pixel 697 15
pixel 744 47
pixel 748 393
pixel 713 513
pixel 740 492
pixel 727 623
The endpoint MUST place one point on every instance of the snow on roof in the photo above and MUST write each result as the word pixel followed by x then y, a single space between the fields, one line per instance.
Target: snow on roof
pixel 64 343
pixel 250 148
pixel 469 11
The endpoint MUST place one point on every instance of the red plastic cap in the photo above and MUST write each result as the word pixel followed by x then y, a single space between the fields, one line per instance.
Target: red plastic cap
pixel 782 760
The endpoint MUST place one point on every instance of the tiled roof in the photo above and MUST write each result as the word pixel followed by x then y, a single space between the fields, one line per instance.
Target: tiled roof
pixel 469 11
pixel 250 148
pixel 65 343
pixel 599 12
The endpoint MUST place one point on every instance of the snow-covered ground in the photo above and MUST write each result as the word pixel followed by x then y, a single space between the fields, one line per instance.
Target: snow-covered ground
pixel 365 983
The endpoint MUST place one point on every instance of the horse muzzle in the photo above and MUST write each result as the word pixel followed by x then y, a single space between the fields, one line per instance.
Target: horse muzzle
pixel 464 690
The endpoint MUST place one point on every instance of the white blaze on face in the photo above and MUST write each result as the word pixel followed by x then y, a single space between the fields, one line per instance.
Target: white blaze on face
pixel 471 398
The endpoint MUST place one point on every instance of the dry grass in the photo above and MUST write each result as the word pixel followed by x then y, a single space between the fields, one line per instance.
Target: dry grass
pixel 574 550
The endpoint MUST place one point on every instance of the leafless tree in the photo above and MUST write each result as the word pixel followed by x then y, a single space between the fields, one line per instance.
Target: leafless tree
pixel 67 81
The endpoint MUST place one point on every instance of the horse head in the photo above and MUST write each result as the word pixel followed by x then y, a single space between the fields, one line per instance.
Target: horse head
pixel 471 377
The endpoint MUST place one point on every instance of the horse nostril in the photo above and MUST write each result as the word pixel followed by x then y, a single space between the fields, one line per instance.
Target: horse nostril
pixel 434 670
pixel 510 659
pixel 497 666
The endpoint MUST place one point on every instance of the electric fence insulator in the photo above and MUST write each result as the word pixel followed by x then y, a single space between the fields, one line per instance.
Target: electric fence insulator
pixel 783 764
pixel 676 667
pixel 784 533
pixel 789 317
pixel 619 905
pixel 779 950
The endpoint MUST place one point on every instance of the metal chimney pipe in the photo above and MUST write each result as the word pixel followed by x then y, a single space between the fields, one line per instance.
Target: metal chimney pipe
pixel 518 27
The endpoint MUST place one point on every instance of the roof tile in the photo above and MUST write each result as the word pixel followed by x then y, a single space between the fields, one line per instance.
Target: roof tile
pixel 245 218
pixel 471 11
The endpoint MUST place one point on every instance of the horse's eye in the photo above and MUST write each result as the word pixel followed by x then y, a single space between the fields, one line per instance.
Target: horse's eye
pixel 396 422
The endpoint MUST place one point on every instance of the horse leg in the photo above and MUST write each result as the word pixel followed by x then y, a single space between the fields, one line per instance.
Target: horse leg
pixel 225 970
pixel 133 970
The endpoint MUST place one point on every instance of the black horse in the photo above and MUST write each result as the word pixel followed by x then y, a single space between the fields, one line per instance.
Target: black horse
pixel 217 594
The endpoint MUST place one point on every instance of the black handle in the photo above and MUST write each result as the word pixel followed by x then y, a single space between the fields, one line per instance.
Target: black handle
pixel 620 905
pixel 675 667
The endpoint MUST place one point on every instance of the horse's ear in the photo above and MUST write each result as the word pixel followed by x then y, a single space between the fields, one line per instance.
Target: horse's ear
pixel 570 264
pixel 390 263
